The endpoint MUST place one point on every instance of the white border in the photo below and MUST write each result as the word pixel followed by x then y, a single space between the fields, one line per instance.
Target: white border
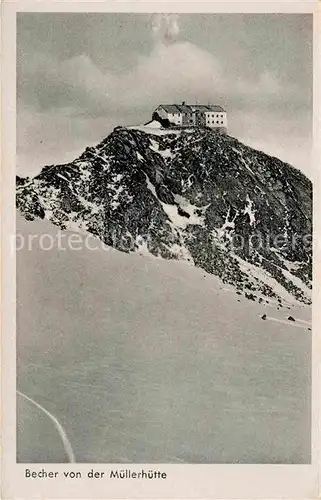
pixel 184 481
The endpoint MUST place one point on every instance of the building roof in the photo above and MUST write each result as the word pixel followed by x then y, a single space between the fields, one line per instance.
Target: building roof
pixel 170 108
pixel 207 107
pixel 183 108
pixel 215 107
pixel 190 108
pixel 198 107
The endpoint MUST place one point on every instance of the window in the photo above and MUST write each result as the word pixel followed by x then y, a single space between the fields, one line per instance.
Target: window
pixel 217 121
pixel 222 122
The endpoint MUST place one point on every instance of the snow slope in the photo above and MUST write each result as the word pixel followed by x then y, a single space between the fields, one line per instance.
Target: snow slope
pixel 147 360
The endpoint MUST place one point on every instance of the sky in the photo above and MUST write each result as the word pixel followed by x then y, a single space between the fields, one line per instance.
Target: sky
pixel 80 75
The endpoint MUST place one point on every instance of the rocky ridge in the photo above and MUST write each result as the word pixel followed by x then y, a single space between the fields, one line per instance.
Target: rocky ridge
pixel 188 194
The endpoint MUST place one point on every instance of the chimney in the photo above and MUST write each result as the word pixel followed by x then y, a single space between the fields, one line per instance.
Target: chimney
pixel 183 103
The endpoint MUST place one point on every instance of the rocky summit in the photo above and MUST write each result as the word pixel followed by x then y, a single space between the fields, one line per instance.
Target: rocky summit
pixel 192 194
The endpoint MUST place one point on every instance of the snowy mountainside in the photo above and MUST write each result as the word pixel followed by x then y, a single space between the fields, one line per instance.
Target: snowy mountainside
pixel 191 195
pixel 156 360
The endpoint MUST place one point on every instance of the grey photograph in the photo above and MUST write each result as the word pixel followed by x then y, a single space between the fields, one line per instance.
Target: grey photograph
pixel 164 238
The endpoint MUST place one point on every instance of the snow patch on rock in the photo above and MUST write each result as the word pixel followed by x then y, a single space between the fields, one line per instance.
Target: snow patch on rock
pixel 249 210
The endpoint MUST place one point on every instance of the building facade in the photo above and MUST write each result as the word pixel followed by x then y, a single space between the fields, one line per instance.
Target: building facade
pixel 194 115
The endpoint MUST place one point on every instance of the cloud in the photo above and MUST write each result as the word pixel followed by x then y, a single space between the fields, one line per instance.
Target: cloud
pixel 165 27
pixel 170 72
pixel 82 102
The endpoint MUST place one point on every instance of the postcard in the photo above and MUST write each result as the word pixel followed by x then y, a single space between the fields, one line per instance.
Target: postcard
pixel 160 291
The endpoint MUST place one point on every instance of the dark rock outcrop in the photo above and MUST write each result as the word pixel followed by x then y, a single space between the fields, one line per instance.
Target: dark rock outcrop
pixel 191 194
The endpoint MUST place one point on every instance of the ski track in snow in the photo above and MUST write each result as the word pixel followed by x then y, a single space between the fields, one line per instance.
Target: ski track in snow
pixel 303 321
pixel 289 322
pixel 61 431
